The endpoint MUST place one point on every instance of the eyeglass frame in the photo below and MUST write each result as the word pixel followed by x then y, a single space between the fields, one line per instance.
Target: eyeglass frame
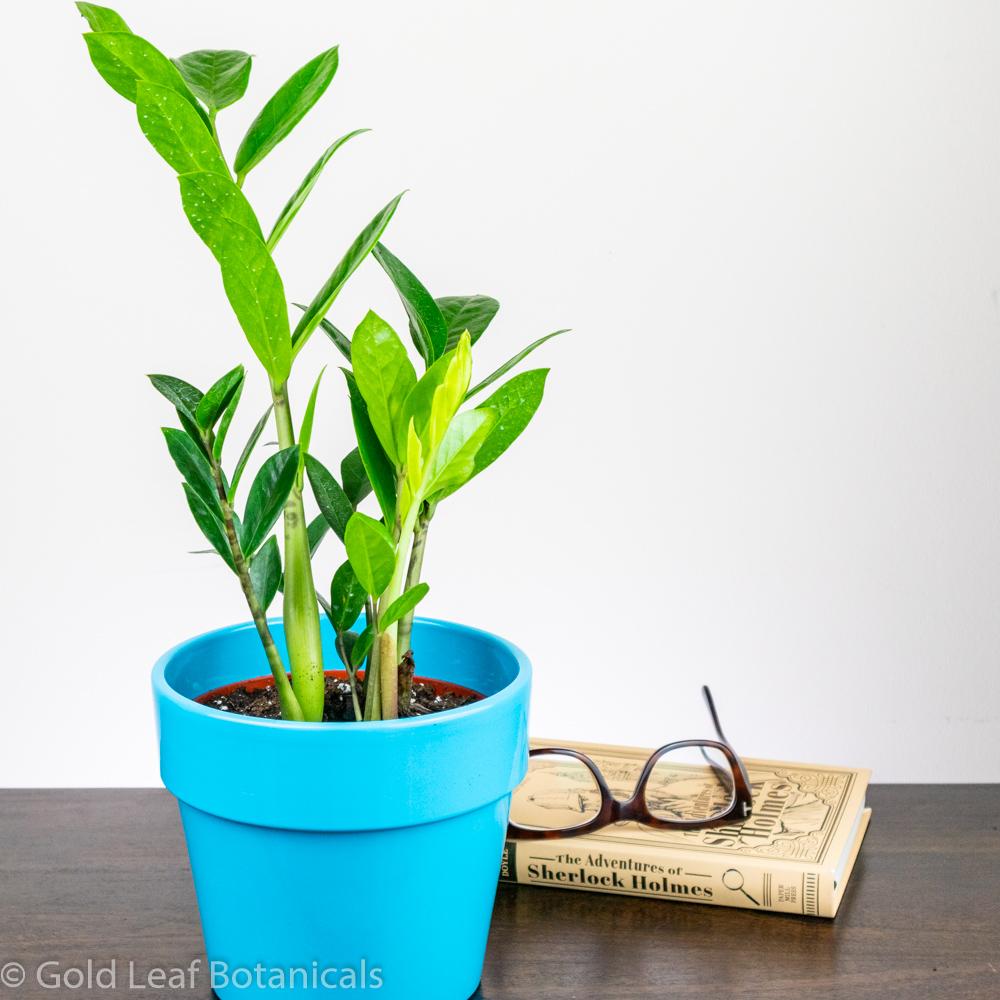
pixel 634 808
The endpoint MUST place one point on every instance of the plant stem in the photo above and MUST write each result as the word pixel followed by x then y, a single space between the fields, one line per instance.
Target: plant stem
pixel 388 654
pixel 412 579
pixel 351 675
pixel 369 618
pixel 301 613
pixel 373 687
pixel 290 708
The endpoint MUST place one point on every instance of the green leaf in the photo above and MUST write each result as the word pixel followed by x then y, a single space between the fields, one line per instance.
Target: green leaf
pixel 176 131
pixel 102 18
pixel 265 572
pixel 298 199
pixel 193 431
pixel 339 339
pixel 362 646
pixel 305 431
pixel 384 376
pixel 316 531
pixel 126 60
pixel 363 245
pixel 227 419
pixel 334 504
pixel 514 403
pixel 210 524
pixel 181 394
pixel 506 367
pixel 256 294
pixel 419 404
pixel 285 110
pixel 208 197
pixel 267 497
pixel 218 76
pixel 381 473
pixel 370 551
pixel 215 401
pixel 403 605
pixel 193 466
pixel 347 598
pixel 248 448
pixel 354 477
pixel 466 312
pixel 427 326
pixel 453 464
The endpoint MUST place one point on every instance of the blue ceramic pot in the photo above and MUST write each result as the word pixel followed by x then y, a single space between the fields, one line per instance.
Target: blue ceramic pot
pixel 343 858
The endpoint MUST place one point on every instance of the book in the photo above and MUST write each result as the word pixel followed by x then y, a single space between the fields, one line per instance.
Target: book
pixel 793 854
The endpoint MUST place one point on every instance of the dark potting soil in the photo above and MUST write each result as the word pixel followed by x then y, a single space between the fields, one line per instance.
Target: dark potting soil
pixel 259 698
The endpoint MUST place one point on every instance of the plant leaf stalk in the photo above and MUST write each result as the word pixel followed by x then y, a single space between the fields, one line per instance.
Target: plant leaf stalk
pixel 412 579
pixel 300 610
pixel 290 707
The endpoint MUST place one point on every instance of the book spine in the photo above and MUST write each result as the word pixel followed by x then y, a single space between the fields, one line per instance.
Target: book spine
pixel 750 883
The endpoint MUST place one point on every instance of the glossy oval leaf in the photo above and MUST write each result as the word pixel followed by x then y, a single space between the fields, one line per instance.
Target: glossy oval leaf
pixel 285 110
pixel 219 77
pixel 267 497
pixel 385 377
pixel 179 393
pixel 102 18
pixel 466 312
pixel 370 551
pixel 514 403
pixel 256 293
pixel 208 197
pixel 353 475
pixel 316 532
pixel 210 524
pixel 193 466
pixel 427 325
pixel 453 464
pixel 226 422
pixel 241 462
pixel 381 473
pixel 347 598
pixel 506 366
pixel 215 401
pixel 333 502
pixel 175 131
pixel 298 199
pixel 403 605
pixel 362 246
pixel 265 573
pixel 124 60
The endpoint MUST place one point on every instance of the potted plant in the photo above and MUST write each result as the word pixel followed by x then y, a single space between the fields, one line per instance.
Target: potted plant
pixel 316 801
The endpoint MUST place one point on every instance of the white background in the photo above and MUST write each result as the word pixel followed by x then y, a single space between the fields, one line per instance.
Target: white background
pixel 767 457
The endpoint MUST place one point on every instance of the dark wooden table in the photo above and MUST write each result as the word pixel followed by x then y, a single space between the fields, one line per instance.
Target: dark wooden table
pixel 103 875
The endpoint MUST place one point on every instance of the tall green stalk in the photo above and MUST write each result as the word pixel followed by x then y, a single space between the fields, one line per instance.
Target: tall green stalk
pixel 412 579
pixel 300 611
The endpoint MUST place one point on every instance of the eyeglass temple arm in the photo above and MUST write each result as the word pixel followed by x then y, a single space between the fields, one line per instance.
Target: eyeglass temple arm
pixel 715 715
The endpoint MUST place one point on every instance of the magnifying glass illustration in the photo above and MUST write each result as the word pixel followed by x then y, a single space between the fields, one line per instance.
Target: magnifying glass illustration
pixel 733 879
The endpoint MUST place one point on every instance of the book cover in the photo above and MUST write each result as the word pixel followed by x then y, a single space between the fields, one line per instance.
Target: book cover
pixel 794 854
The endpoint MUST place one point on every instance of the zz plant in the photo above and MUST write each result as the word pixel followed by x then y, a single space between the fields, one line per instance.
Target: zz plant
pixel 419 438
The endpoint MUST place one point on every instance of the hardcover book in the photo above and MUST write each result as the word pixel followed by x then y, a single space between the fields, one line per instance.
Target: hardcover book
pixel 793 854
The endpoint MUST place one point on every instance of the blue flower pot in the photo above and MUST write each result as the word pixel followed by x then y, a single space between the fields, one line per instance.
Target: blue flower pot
pixel 330 858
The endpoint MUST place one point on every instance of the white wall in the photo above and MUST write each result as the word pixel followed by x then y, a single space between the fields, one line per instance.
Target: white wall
pixel 768 455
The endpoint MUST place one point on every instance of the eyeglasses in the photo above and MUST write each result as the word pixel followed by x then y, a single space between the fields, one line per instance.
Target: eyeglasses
pixel 688 785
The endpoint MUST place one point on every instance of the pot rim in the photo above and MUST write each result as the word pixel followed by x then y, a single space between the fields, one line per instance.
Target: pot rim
pixel 487 704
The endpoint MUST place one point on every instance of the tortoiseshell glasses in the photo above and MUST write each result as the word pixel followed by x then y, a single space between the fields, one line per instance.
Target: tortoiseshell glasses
pixel 688 785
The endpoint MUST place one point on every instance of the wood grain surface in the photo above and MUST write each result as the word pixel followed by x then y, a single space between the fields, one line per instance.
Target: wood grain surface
pixel 103 875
